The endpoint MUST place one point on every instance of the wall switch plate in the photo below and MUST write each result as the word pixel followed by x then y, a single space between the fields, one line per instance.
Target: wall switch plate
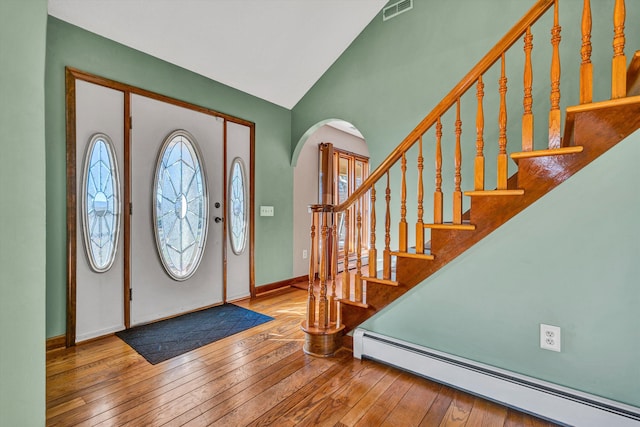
pixel 550 337
pixel 304 254
pixel 266 210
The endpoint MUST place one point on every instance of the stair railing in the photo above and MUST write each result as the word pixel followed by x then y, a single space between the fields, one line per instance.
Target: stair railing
pixel 323 323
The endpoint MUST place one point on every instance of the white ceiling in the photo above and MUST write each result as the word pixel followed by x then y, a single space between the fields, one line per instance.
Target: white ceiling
pixel 273 49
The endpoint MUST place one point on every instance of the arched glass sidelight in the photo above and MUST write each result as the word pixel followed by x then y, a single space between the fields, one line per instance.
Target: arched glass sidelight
pixel 180 205
pixel 238 201
pixel 100 203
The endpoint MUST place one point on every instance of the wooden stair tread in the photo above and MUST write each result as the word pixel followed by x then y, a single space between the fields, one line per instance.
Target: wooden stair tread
pixel 412 255
pixel 547 152
pixel 450 226
pixel 620 102
pixel 353 303
pixel 482 193
pixel 387 282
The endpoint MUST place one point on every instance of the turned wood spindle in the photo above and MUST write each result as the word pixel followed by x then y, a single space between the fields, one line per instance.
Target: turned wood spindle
pixel 358 280
pixel 346 277
pixel 311 299
pixel 554 114
pixel 402 232
pixel 334 269
pixel 527 103
pixel 619 62
pixel 437 194
pixel 419 222
pixel 502 124
pixel 323 318
pixel 386 256
pixel 457 193
pixel 478 180
pixel 373 253
pixel 586 67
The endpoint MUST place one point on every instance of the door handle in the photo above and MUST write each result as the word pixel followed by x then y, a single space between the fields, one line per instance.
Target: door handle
pixel 218 219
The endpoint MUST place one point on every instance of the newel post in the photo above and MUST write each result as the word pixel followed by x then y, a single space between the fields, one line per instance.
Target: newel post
pixel 322 325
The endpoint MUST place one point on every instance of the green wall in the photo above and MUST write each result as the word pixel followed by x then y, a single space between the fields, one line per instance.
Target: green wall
pixel 68 45
pixel 391 76
pixel 22 216
pixel 569 260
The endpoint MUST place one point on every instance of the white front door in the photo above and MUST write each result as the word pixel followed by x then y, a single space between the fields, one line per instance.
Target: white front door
pixel 156 292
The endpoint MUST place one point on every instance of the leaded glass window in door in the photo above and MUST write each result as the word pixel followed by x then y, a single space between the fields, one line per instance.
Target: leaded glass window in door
pixel 238 210
pixel 180 205
pixel 100 203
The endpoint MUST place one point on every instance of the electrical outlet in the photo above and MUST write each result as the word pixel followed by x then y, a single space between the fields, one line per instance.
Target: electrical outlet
pixel 304 254
pixel 550 337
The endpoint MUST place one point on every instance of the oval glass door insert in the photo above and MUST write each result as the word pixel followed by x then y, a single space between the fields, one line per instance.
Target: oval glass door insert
pixel 180 205
pixel 238 200
pixel 100 203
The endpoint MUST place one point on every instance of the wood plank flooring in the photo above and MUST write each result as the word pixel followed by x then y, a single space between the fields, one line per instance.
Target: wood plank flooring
pixel 258 377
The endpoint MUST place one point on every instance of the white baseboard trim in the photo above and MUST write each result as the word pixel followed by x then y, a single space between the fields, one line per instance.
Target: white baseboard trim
pixel 540 398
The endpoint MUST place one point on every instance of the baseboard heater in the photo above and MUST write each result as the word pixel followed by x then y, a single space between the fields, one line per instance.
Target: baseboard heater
pixel 540 398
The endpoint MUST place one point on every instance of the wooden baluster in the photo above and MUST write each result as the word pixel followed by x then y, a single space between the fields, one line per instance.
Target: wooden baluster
pixel 323 318
pixel 346 277
pixel 478 180
pixel 527 103
pixel 502 124
pixel 420 223
pixel 333 298
pixel 437 195
pixel 402 235
pixel 619 62
pixel 457 193
pixel 311 299
pixel 373 253
pixel 386 255
pixel 586 67
pixel 554 114
pixel 358 281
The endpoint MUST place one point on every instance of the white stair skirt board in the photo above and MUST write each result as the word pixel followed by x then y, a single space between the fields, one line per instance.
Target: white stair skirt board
pixel 540 398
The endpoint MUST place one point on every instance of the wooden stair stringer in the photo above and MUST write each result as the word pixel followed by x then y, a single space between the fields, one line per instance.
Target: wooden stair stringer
pixel 596 129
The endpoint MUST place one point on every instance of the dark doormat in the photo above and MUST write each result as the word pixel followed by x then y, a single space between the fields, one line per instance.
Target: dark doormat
pixel 169 338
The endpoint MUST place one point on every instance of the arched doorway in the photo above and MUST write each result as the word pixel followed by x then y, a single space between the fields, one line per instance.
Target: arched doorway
pixel 346 139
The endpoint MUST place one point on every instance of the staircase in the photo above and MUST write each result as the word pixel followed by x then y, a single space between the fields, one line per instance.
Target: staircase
pixel 338 303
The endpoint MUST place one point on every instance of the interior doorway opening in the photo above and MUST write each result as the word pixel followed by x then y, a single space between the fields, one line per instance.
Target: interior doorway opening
pixel 345 168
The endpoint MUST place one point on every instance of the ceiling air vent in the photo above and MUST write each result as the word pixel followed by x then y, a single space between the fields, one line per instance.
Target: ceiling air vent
pixel 396 9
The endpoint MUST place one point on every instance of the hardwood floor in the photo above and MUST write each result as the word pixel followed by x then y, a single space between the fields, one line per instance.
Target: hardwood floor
pixel 257 377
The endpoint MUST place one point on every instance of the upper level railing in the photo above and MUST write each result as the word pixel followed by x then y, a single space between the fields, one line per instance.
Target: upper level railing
pixel 324 311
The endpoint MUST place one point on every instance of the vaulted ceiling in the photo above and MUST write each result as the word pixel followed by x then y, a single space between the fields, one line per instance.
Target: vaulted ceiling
pixel 273 49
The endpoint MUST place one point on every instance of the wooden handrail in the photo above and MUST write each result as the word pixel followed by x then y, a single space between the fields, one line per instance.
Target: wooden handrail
pixel 447 102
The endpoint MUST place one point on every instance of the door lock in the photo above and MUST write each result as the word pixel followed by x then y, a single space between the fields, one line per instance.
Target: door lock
pixel 218 219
